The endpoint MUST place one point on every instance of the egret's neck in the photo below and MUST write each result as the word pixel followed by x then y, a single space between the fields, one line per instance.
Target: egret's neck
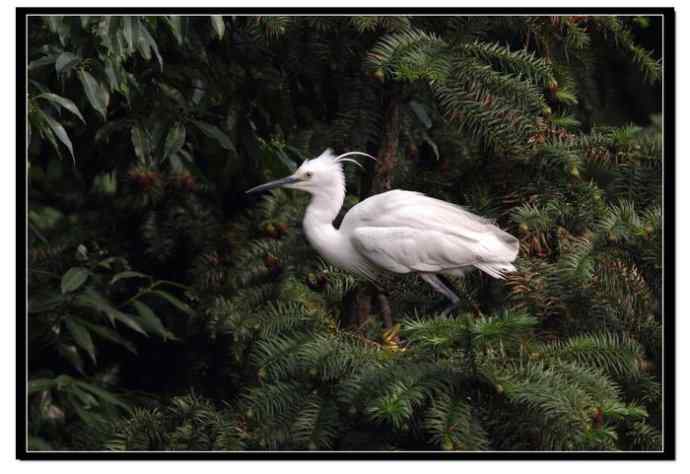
pixel 324 206
pixel 318 222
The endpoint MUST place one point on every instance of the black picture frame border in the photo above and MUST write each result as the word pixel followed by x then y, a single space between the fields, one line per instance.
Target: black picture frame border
pixel 669 271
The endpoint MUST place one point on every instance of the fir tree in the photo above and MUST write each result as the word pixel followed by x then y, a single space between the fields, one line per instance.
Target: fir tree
pixel 170 312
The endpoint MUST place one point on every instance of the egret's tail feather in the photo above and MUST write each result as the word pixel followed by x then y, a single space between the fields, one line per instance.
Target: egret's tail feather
pixel 496 270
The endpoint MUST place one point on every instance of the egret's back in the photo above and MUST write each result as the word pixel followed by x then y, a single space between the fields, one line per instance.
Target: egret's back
pixel 404 231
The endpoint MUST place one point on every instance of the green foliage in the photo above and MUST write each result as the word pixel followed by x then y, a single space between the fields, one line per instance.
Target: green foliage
pixel 187 422
pixel 227 332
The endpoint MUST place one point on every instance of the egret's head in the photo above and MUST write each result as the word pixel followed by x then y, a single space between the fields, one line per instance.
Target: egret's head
pixel 320 174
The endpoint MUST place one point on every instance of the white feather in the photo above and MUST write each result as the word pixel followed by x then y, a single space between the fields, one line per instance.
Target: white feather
pixel 403 231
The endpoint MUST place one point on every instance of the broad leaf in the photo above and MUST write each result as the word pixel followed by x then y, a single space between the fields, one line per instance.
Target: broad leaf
pixel 109 334
pixel 42 303
pixel 182 306
pixel 65 62
pixel 141 143
pixel 218 25
pixel 286 160
pixel 175 23
pixel 86 398
pixel 59 26
pixel 71 355
pixel 42 61
pixel 98 95
pixel 63 102
pixel 216 133
pixel 150 321
pixel 47 133
pixel 38 385
pixel 130 30
pixel 174 141
pixel 58 131
pixel 93 300
pixel 102 394
pixel 73 279
pixel 82 337
pixel 173 93
pixel 146 43
pixel 129 321
pixel 110 127
pixel 421 113
pixel 108 261
pixel 127 274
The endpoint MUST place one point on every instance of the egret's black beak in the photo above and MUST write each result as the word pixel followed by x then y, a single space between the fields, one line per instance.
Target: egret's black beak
pixel 273 184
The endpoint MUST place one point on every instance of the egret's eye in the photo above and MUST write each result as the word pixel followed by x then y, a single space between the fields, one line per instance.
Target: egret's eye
pixel 309 174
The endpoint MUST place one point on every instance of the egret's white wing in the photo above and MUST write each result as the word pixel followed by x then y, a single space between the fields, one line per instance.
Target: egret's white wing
pixel 415 231
pixel 405 249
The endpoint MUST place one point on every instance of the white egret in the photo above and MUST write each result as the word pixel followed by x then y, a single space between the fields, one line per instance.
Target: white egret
pixel 396 231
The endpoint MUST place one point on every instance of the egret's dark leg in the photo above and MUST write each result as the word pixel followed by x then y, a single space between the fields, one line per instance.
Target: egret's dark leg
pixel 385 307
pixel 363 307
pixel 439 286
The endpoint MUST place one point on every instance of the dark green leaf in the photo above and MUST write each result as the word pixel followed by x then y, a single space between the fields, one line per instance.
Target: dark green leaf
pixel 218 25
pixel 39 444
pixel 38 304
pixel 130 31
pixel 63 102
pixel 174 94
pixel 51 128
pixel 95 301
pixel 109 334
pixel 102 394
pixel 107 262
pixel 84 397
pixel 71 355
pixel 175 23
pixel 110 73
pixel 63 381
pixel 98 95
pixel 150 321
pixel 112 25
pixel 81 337
pixel 45 217
pixel 110 127
pixel 184 307
pixel 146 43
pixel 421 113
pixel 129 321
pixel 216 133
pixel 127 274
pixel 48 133
pixel 286 160
pixel 42 61
pixel 65 62
pixel 175 140
pixel 73 279
pixel 141 143
pixel 56 24
pixel 38 385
